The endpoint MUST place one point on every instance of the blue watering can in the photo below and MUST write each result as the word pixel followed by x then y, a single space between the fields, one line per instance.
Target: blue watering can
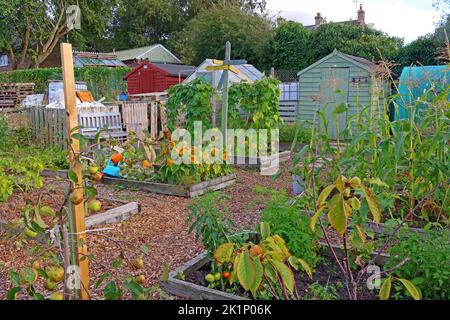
pixel 112 170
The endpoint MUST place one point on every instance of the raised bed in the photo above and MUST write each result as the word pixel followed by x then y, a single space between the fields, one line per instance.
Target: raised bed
pixel 111 216
pixel 268 165
pixel 162 188
pixel 189 290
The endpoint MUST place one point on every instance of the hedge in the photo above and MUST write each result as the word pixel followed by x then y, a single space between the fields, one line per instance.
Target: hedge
pixel 101 81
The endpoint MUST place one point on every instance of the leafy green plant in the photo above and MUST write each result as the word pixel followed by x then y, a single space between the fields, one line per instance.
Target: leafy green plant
pixel 287 220
pixel 23 174
pixel 263 266
pixel 258 101
pixel 316 291
pixel 294 131
pixel 209 222
pixel 194 101
pixel 427 266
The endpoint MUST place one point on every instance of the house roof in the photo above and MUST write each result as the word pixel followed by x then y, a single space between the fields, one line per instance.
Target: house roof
pixel 153 53
pixel 361 62
pixel 84 59
pixel 174 70
pixel 247 72
pixel 314 27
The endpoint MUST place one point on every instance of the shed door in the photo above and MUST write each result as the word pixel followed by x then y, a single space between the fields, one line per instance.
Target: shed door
pixel 333 92
pixel 147 80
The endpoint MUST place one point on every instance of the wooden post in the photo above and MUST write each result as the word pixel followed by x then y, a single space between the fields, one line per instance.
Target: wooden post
pixel 226 74
pixel 77 212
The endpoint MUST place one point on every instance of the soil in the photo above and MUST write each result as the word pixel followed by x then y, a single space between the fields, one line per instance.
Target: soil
pixel 327 273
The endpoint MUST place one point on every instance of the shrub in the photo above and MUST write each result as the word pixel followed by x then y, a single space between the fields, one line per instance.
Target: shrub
pixel 101 81
pixel 288 221
pixel 289 131
pixel 209 222
pixel 429 268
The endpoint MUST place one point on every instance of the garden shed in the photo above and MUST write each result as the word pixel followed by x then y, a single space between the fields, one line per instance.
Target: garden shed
pixel 150 77
pixel 415 81
pixel 336 79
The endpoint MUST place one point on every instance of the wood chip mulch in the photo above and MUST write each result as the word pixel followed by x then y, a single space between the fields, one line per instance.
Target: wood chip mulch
pixel 161 226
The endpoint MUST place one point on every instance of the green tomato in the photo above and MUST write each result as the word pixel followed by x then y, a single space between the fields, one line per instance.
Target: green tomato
pixel 210 278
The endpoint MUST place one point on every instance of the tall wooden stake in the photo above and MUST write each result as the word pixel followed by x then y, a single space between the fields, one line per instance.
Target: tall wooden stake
pixel 226 75
pixel 77 212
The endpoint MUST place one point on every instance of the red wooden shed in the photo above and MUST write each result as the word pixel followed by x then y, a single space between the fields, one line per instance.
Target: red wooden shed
pixel 149 77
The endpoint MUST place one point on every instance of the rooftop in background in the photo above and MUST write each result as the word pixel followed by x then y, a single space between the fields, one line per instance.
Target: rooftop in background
pixel 320 20
pixel 176 70
pixel 154 53
pixel 95 59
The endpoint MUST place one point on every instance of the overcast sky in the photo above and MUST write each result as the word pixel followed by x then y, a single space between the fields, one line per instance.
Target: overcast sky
pixel 407 19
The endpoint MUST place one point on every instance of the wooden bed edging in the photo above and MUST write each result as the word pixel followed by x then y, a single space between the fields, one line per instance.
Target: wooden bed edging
pixel 193 291
pixel 262 162
pixel 111 216
pixel 162 188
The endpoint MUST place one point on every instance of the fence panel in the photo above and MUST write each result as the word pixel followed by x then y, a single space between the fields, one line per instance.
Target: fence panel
pixel 48 126
pixel 288 110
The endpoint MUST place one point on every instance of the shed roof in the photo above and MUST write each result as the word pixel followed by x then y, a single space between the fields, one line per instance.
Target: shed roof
pixel 174 70
pixel 247 72
pixel 84 59
pixel 359 61
pixel 154 53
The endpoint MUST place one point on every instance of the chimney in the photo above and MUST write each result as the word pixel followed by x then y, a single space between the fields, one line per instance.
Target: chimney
pixel 318 19
pixel 361 16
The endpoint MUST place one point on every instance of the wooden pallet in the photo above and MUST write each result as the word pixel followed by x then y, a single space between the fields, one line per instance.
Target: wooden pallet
pixel 12 94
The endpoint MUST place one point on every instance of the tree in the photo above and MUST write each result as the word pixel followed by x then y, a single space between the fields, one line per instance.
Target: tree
pixel 353 39
pixel 423 51
pixel 205 36
pixel 291 46
pixel 143 22
pixel 31 29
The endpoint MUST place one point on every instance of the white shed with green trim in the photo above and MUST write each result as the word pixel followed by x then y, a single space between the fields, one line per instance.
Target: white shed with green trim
pixel 336 79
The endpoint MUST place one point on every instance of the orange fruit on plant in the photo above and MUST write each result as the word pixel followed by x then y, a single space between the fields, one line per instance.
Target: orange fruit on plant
pixel 36 265
pixel 146 164
pixel 138 263
pixel 76 198
pixel 140 279
pixel 226 275
pixel 256 251
pixel 118 157
pixel 97 177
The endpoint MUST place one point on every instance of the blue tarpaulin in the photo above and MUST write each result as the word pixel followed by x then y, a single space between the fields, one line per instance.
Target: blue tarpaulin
pixel 414 82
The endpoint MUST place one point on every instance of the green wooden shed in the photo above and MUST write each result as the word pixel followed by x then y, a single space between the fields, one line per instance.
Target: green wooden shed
pixel 339 78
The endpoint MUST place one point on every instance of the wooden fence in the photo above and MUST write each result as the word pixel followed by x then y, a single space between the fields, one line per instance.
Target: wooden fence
pixel 135 117
pixel 48 126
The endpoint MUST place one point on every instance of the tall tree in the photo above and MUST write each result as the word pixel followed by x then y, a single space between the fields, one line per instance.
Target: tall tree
pixel 290 43
pixel 352 39
pixel 31 29
pixel 206 34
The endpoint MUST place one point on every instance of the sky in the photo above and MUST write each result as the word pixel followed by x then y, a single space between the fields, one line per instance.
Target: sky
pixel 406 19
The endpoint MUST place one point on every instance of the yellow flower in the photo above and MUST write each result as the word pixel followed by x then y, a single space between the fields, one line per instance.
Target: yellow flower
pixel 169 163
pixel 172 144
